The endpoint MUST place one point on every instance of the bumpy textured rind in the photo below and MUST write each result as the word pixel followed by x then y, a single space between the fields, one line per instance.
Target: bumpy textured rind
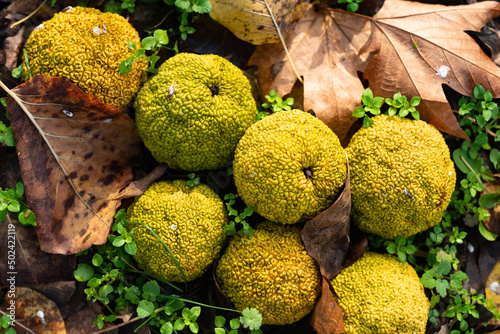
pixel 189 220
pixel 270 271
pixel 380 295
pixel 402 176
pixel 87 46
pixel 288 166
pixel 194 111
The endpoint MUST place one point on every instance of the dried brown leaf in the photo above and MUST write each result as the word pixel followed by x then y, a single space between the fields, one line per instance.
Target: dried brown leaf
pixel 27 303
pixel 81 322
pixel 33 266
pixel 327 317
pixel 257 22
pixel 324 50
pixel 412 44
pixel 75 154
pixel 137 188
pixel 326 236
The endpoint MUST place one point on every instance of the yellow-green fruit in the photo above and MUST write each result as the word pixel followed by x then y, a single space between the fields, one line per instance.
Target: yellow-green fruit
pixel 289 166
pixel 402 176
pixel 193 112
pixel 189 220
pixel 270 271
pixel 380 295
pixel 87 46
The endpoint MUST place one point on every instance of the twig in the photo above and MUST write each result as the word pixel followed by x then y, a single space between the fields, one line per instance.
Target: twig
pixel 27 17
pixel 124 323
pixel 18 323
pixel 145 276
pixel 475 122
pixel 282 41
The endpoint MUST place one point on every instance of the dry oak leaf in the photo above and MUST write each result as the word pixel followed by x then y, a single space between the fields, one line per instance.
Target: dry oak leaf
pixel 324 50
pixel 75 155
pixel 258 21
pixel 416 48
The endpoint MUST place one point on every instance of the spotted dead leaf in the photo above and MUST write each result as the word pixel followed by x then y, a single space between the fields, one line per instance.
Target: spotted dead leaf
pixel 258 21
pixel 327 317
pixel 75 155
pixel 27 304
pixel 418 47
pixel 326 236
pixel 325 55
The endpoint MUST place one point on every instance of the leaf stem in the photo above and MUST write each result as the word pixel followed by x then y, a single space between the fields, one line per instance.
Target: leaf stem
pixel 472 170
pixel 167 248
pixel 27 17
pixel 282 41
pixel 18 323
pixel 475 122
pixel 104 330
pixel 146 276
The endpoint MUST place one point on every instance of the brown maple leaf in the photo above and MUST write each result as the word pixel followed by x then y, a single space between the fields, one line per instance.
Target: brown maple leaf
pixel 416 48
pixel 75 155
pixel 325 54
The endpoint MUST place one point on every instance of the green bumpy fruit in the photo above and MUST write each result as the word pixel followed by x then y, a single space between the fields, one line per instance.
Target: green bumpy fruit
pixel 289 166
pixel 189 220
pixel 270 271
pixel 380 295
pixel 402 176
pixel 194 111
pixel 87 46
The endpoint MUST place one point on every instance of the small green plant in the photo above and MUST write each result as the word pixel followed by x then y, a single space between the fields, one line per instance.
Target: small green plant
pixel 5 324
pixel 274 104
pixel 153 44
pixel 402 247
pixel 352 5
pixel 114 281
pixel 398 105
pixel 479 119
pixel 6 134
pixel 239 217
pixel 193 180
pixel 188 6
pixel 10 202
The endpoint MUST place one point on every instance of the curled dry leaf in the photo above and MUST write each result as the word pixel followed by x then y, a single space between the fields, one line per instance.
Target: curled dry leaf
pixel 327 317
pixel 417 48
pixel 324 51
pixel 27 303
pixel 137 188
pixel 326 236
pixel 75 155
pixel 258 21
